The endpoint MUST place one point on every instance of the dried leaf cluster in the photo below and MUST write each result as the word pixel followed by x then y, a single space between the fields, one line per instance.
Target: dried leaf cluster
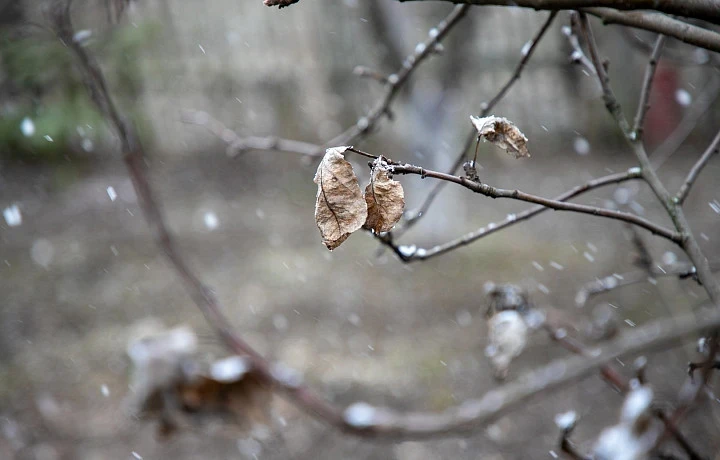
pixel 503 133
pixel 170 385
pixel 341 207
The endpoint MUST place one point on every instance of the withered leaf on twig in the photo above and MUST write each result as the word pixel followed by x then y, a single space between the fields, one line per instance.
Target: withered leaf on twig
pixel 385 199
pixel 340 207
pixel 169 385
pixel 503 133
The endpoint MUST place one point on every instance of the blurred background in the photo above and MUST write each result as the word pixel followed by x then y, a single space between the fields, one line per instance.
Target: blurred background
pixel 79 274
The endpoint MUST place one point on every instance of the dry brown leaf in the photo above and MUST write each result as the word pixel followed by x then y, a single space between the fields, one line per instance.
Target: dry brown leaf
pixel 170 386
pixel 340 208
pixel 385 199
pixel 503 133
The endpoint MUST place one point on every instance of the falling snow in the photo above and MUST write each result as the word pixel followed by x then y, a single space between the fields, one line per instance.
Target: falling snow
pixel 556 265
pixel 360 415
pixel 683 97
pixel 42 252
pixel 12 216
pixel 669 258
pixel 286 375
pixel 111 193
pixel 27 127
pixel 526 48
pixel 211 220
pixel 230 369
pixel 715 206
pixel 581 145
pixel 566 420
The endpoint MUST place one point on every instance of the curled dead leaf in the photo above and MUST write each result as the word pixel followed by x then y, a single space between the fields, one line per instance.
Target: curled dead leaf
pixel 340 207
pixel 385 199
pixel 503 133
pixel 169 385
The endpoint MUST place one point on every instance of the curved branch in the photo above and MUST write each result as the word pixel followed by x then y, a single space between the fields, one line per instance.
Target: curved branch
pixel 665 25
pixel 397 80
pixel 696 169
pixel 511 220
pixel 486 108
pixel 706 10
pixel 494 192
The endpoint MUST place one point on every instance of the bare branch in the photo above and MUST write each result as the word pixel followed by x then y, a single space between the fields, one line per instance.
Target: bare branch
pixel 659 23
pixel 238 144
pixel 675 212
pixel 646 20
pixel 703 102
pixel 466 417
pixel 696 169
pixel 494 192
pixel 486 108
pixel 617 281
pixel 397 80
pixel 511 220
pixel 560 336
pixel 644 104
pixel 698 9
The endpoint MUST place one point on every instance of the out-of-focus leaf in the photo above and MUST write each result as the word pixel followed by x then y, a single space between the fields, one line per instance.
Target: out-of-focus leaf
pixel 170 385
pixel 340 207
pixel 385 199
pixel 503 133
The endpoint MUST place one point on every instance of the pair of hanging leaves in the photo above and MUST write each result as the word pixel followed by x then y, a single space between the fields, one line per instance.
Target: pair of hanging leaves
pixel 341 207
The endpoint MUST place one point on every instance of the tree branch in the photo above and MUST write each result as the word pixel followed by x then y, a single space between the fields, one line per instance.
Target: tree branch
pixel 688 241
pixel 238 145
pixel 486 107
pixel 494 192
pixel 612 282
pixel 701 105
pixel 376 422
pixel 644 104
pixel 398 79
pixel 696 169
pixel 659 23
pixel 706 10
pixel 422 254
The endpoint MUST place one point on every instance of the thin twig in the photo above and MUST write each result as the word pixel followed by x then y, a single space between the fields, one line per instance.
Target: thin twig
pixel 675 212
pixel 487 230
pixel 704 273
pixel 646 20
pixel 485 108
pixel 493 192
pixel 396 81
pixel 559 335
pixel 239 144
pixel 704 100
pixel 644 104
pixel 706 10
pixel 617 281
pixel 696 169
